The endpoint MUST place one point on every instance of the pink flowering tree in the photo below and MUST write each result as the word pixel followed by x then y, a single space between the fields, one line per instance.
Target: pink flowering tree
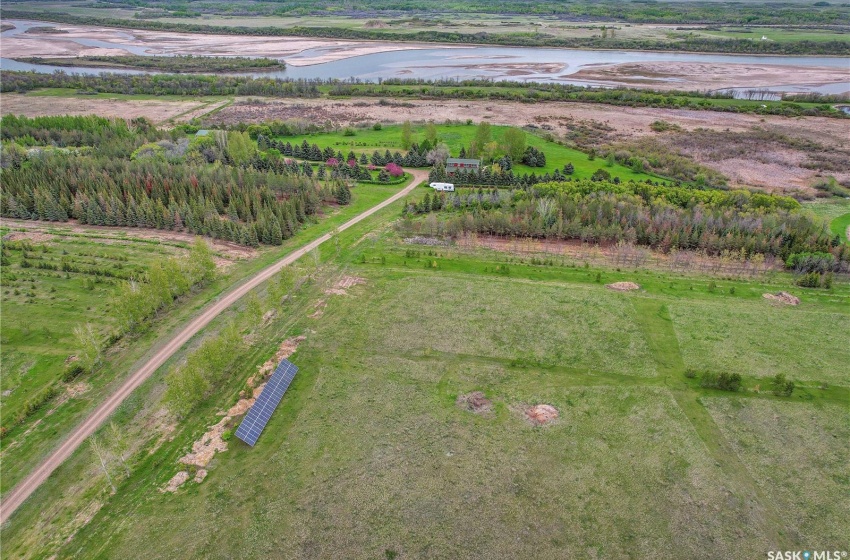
pixel 394 170
pixel 332 162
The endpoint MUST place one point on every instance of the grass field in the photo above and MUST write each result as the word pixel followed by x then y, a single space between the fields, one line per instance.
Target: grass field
pixel 461 135
pixel 368 456
pixel 41 307
pixel 26 443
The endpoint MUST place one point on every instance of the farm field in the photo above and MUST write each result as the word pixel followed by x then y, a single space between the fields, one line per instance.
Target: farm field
pixel 370 455
pixel 456 136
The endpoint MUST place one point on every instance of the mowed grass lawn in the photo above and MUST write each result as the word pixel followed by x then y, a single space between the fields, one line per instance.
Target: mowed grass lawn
pixel 461 135
pixel 369 456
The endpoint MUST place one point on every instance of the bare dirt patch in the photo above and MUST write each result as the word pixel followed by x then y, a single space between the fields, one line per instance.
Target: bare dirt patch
pixel 623 286
pixel 34 236
pixel 475 402
pixel 343 284
pixel 226 250
pixel 319 309
pixel 176 482
pixel 541 414
pixel 156 110
pixel 213 441
pixel 782 297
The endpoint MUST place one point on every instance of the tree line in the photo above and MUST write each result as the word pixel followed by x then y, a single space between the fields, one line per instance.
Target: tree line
pixel 178 63
pixel 661 217
pixel 177 84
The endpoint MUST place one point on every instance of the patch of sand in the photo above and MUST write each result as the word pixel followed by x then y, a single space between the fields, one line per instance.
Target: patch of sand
pixel 68 43
pixel 782 297
pixel 707 75
pixel 623 286
pixel 319 309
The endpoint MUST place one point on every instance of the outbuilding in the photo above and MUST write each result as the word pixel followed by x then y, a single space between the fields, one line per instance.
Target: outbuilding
pixel 459 165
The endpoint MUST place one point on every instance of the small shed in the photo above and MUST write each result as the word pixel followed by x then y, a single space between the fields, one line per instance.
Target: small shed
pixel 202 132
pixel 458 165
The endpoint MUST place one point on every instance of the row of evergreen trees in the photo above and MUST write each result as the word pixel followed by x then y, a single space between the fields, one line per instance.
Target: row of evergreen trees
pixel 312 152
pixel 246 206
pixel 501 177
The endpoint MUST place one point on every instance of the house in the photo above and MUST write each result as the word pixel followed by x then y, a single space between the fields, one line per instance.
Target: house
pixel 457 165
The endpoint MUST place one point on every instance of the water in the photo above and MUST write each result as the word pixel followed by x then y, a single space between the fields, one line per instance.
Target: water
pixel 462 62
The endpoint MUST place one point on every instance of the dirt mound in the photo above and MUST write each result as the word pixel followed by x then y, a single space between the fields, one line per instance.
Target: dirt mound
pixel 375 24
pixel 623 286
pixel 783 297
pixel 541 414
pixel 475 402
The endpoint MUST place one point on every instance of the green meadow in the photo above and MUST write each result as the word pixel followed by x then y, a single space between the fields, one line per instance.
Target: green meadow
pixel 456 136
pixel 370 455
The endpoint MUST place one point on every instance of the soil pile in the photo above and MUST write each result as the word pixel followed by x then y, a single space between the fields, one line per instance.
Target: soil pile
pixel 541 414
pixel 783 297
pixel 623 286
pixel 475 402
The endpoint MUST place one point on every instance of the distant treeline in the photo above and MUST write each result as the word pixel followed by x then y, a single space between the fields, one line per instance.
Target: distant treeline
pixel 159 84
pixel 662 217
pixel 685 43
pixel 165 84
pixel 188 63
pixel 648 11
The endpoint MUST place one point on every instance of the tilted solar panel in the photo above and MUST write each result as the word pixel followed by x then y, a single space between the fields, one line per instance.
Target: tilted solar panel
pixel 258 416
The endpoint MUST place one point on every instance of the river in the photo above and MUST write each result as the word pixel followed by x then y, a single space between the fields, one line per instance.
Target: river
pixel 463 62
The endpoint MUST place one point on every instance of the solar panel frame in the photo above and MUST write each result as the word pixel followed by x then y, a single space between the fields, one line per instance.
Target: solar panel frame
pixel 260 413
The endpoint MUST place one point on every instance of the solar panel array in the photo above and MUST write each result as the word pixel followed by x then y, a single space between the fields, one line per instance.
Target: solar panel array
pixel 258 416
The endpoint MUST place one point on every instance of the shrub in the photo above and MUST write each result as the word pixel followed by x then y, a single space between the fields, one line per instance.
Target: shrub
pixel 74 370
pixel 781 386
pixel 349 132
pixel 723 381
pixel 377 126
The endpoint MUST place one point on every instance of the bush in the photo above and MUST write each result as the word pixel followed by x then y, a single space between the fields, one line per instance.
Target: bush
pixel 74 370
pixel 809 280
pixel 781 386
pixel 377 126
pixel 690 373
pixel 349 132
pixel 723 381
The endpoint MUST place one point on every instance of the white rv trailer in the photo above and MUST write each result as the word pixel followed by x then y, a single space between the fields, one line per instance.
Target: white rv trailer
pixel 442 186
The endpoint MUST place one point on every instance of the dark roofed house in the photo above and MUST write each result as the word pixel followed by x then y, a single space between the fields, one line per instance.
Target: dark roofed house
pixel 457 165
